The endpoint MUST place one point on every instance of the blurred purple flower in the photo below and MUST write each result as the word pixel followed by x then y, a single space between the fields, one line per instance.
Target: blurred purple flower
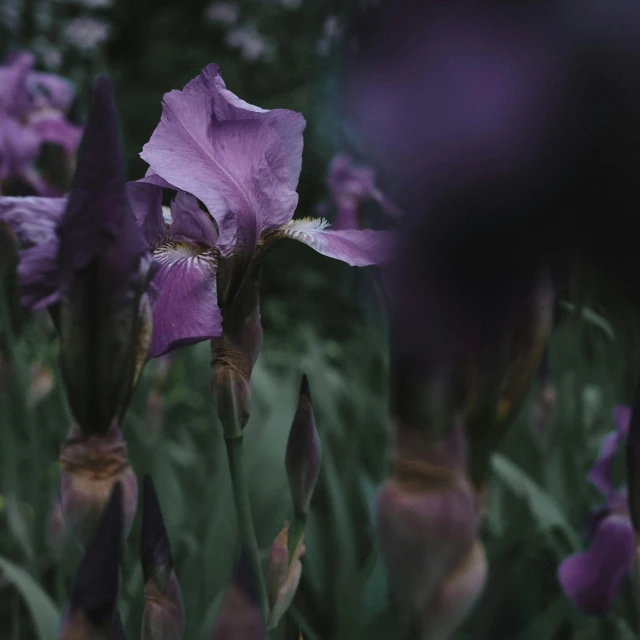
pixel 224 13
pixel 33 109
pixel 592 578
pixel 243 163
pixel 351 187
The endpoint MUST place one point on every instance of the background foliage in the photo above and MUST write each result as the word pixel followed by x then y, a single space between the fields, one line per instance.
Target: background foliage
pixel 321 318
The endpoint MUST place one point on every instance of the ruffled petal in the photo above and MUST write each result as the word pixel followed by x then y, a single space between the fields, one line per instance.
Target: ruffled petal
pixel 358 248
pixel 146 205
pixel 592 579
pixel 32 219
pixel 240 161
pixel 190 222
pixel 186 310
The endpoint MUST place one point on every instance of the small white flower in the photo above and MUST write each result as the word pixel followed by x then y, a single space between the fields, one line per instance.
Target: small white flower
pixel 226 13
pixel 87 33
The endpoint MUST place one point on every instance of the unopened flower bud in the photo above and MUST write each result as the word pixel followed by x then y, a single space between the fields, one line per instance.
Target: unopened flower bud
pixel 90 467
pixel 103 268
pixel 283 577
pixel 427 518
pixel 57 531
pixel 302 459
pixel 239 617
pixel 89 614
pixel 454 599
pixel 163 612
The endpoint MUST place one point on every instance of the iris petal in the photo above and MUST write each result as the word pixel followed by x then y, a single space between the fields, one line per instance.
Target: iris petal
pixel 358 248
pixel 592 579
pixel 186 310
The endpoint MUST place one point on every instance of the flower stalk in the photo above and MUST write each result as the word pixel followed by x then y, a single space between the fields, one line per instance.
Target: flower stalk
pixel 235 456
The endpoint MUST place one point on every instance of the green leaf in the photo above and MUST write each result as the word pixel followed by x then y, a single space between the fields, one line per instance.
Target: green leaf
pixel 44 613
pixel 543 507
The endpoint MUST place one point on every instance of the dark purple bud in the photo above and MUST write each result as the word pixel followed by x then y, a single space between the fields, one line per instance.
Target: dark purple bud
pixel 239 617
pixel 94 595
pixel 90 467
pixel 163 613
pixel 302 459
pixel 104 267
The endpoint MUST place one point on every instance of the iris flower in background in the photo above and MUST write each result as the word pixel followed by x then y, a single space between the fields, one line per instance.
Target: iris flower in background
pixel 592 578
pixel 33 111
pixel 351 187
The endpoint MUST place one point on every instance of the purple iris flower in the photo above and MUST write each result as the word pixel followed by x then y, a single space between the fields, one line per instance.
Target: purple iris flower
pixel 350 187
pixel 243 163
pixel 593 577
pixel 33 108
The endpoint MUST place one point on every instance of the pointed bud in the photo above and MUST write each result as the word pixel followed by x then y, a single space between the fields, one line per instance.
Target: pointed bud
pixel 239 617
pixel 287 574
pixel 57 532
pixel 90 467
pixel 163 613
pixel 92 604
pixel 544 405
pixel 104 267
pixel 302 459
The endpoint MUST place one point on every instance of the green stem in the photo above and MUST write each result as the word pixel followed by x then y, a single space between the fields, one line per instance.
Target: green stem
pixel 235 455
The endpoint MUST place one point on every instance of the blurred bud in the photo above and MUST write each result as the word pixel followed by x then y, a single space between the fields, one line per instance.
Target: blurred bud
pixel 454 599
pixel 41 384
pixel 90 466
pixel 89 614
pixel 239 617
pixel 427 517
pixel 302 459
pixel 117 630
pixel 163 611
pixel 283 577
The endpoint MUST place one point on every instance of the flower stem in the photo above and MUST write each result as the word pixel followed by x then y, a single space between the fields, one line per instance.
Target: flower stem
pixel 235 455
